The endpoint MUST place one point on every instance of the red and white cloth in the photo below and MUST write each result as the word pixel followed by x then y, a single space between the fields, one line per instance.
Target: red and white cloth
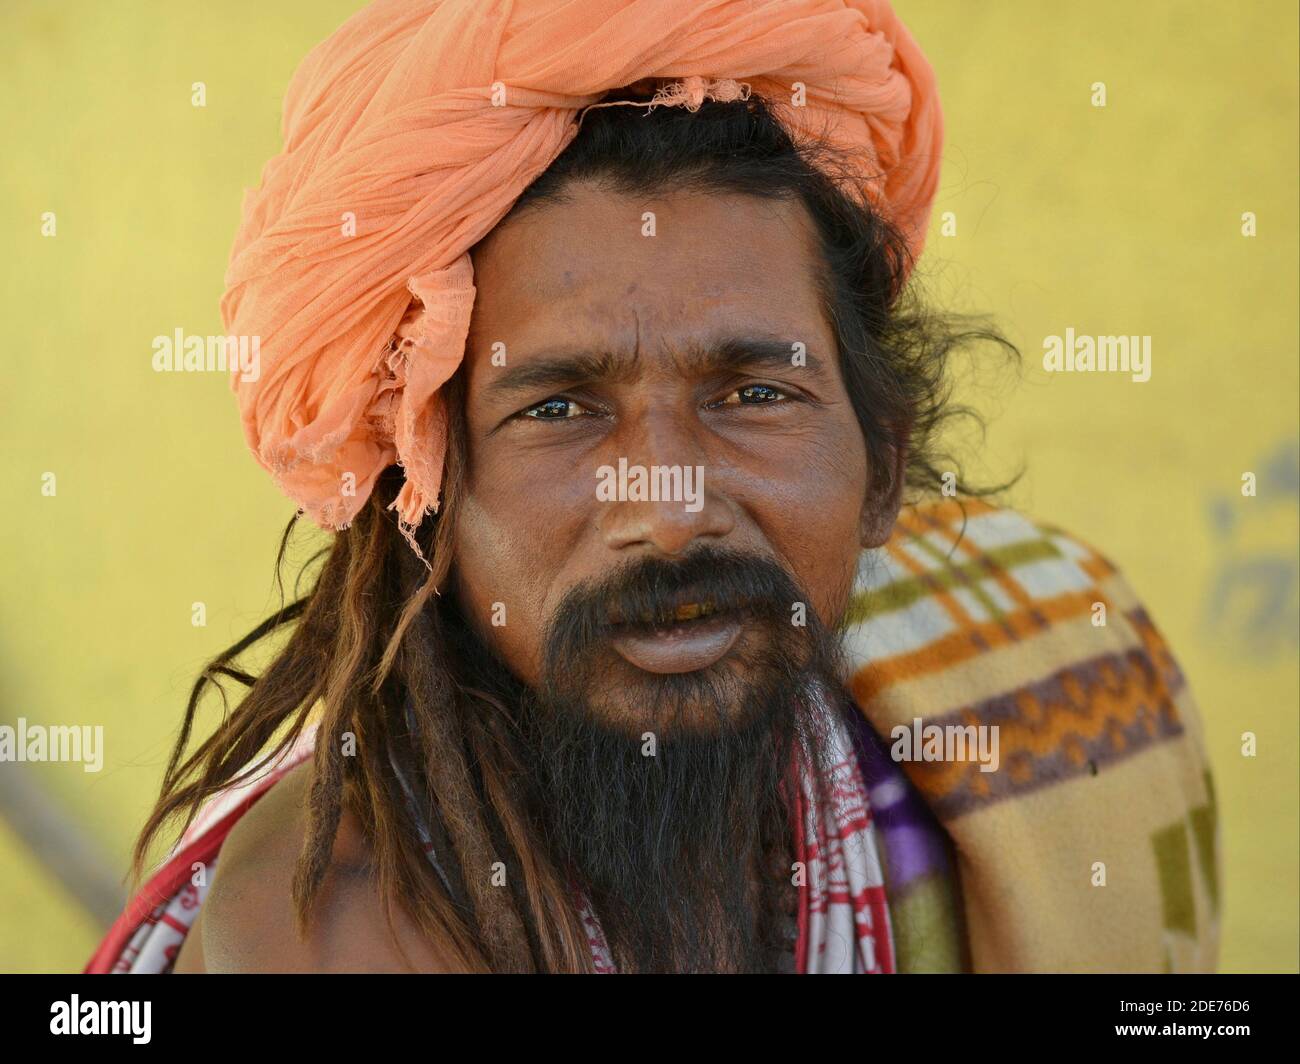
pixel 844 923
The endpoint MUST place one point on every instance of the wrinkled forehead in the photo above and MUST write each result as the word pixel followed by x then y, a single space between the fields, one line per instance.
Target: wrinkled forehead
pixel 650 274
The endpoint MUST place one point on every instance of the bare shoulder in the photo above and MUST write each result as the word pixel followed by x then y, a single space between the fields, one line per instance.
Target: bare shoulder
pixel 248 922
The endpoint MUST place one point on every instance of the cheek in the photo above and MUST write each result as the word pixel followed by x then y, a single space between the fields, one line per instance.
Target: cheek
pixel 497 585
pixel 513 542
pixel 813 519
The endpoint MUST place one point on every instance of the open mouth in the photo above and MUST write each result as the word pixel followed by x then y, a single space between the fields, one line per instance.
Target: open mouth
pixel 685 608
pixel 692 634
pixel 686 612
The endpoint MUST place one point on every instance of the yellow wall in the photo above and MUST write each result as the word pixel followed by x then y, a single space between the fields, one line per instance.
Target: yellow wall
pixel 1122 219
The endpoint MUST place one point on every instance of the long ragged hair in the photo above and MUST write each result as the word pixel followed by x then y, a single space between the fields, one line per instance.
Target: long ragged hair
pixel 369 646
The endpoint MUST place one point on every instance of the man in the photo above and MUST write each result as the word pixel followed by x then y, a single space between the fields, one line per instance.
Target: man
pixel 651 670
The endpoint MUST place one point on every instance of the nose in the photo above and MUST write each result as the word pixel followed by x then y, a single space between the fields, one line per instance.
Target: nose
pixel 659 508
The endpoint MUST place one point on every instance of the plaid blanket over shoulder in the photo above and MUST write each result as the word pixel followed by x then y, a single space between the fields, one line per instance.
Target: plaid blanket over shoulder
pixel 1094 845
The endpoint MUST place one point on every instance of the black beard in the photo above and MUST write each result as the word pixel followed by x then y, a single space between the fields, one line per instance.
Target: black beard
pixel 679 831
pixel 681 837
pixel 684 854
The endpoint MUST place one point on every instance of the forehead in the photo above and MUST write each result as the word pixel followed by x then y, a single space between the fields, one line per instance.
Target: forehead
pixel 634 270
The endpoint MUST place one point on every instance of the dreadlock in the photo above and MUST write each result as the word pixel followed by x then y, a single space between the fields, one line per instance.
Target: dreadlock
pixel 378 653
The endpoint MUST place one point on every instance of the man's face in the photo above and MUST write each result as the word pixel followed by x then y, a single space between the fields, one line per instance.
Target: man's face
pixel 702 345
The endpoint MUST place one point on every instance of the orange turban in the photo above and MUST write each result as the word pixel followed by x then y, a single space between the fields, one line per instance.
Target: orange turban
pixel 409 134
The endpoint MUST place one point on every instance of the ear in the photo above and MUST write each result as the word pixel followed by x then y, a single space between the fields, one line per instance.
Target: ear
pixel 885 497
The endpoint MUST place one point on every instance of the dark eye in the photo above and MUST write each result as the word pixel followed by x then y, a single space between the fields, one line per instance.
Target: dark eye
pixel 553 410
pixel 754 395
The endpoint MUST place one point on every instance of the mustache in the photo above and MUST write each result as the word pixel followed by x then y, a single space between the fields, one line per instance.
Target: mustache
pixel 652 592
pixel 668 846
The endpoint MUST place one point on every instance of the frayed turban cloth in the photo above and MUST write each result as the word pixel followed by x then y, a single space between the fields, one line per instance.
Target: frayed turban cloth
pixel 409 134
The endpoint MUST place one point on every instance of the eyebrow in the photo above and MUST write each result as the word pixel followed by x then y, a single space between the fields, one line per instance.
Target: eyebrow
pixel 569 369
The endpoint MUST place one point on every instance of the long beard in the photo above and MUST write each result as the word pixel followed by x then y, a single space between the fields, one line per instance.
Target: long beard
pixel 682 845
pixel 681 834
